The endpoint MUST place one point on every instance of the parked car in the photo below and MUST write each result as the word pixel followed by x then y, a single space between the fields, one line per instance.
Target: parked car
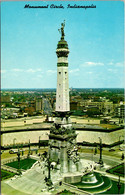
pixel 14 151
pixel 111 150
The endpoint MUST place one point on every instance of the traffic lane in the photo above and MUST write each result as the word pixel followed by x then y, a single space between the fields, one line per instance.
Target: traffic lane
pixel 111 161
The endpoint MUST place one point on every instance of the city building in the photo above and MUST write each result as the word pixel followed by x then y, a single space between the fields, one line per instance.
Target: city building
pixel 38 104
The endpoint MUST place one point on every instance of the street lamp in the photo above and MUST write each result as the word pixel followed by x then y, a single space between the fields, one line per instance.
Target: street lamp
pixel 49 166
pixel 121 140
pixel 119 185
pixel 39 141
pixel 92 153
pixel 18 157
pixel 29 148
pixel 14 142
pixel 100 147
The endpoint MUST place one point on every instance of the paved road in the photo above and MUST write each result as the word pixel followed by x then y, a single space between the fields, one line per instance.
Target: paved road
pixel 47 106
pixel 108 160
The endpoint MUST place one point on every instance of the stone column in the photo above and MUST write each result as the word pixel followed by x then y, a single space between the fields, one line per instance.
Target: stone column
pixel 64 159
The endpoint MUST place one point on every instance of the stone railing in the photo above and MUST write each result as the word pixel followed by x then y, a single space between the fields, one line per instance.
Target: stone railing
pixel 10 169
pixel 3 162
pixel 70 186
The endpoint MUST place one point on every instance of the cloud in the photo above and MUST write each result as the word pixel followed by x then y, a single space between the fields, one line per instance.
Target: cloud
pixel 89 72
pixel 3 71
pixel 33 70
pixel 38 69
pixel 40 76
pixel 51 72
pixel 90 64
pixel 17 70
pixel 74 70
pixel 112 70
pixel 110 63
pixel 119 64
pixel 30 70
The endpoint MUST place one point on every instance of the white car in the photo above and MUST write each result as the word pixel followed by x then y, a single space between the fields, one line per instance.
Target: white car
pixel 14 151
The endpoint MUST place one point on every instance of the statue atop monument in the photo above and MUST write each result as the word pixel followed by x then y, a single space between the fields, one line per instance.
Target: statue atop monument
pixel 62 30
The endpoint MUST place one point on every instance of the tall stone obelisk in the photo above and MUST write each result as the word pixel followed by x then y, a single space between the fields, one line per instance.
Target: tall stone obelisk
pixel 62 137
pixel 62 93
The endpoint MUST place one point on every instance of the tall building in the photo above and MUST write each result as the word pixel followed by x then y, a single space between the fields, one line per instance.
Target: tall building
pixel 38 104
pixel 62 137
pixel 120 111
pixel 62 94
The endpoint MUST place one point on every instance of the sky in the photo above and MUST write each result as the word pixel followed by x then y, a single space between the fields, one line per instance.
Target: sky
pixel 29 39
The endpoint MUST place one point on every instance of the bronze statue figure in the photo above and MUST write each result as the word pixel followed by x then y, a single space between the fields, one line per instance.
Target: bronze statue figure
pixel 62 29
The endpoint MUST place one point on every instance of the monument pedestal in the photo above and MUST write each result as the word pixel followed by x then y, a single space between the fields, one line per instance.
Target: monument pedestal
pixel 62 145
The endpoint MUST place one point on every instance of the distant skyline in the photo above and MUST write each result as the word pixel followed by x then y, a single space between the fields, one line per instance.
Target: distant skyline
pixel 95 37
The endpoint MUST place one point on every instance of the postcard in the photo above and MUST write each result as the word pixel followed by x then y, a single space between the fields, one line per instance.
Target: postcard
pixel 62 97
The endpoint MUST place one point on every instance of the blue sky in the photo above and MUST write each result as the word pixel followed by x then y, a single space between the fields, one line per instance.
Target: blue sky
pixel 29 39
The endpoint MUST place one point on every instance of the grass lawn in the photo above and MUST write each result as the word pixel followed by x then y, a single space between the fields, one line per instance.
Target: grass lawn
pixel 114 189
pixel 117 170
pixel 24 164
pixel 6 174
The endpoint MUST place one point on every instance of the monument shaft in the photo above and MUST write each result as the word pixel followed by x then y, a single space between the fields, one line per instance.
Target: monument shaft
pixel 62 94
pixel 62 137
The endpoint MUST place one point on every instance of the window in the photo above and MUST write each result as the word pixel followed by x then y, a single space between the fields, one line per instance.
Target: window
pixel 65 74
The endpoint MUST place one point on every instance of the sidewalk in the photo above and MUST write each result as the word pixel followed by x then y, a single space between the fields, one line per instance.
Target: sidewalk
pixel 7 168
